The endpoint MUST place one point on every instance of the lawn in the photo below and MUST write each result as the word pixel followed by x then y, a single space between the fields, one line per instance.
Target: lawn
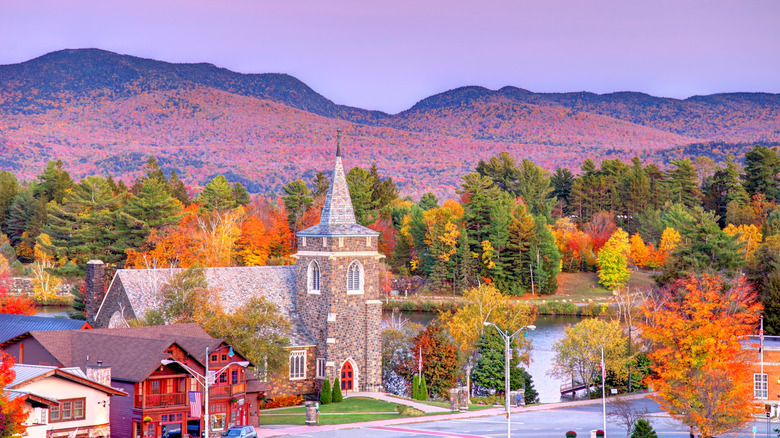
pixel 350 410
pixel 580 287
pixel 446 405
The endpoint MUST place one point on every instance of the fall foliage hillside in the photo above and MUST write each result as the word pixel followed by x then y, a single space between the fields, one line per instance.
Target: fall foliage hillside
pixel 105 113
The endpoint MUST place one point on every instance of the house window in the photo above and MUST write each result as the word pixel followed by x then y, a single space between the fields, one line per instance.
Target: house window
pixel 320 367
pixel 760 389
pixel 224 358
pixel 234 378
pixel 303 241
pixel 67 410
pixel 313 277
pixel 355 278
pixel 223 377
pixel 214 357
pixel 298 365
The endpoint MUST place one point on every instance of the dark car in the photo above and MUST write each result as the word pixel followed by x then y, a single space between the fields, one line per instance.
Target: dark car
pixel 240 432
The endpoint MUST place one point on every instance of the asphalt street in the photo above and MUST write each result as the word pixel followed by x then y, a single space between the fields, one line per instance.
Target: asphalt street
pixel 537 424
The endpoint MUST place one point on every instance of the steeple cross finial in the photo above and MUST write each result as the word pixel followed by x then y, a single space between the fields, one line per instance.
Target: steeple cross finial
pixel 338 142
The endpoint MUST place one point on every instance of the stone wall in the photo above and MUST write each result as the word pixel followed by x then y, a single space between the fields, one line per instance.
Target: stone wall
pixel 24 286
pixel 282 385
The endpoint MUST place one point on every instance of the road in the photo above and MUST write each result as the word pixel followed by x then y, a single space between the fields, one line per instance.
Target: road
pixel 550 423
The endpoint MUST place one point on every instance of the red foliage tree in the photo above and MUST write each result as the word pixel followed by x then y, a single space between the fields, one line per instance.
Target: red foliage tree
pixel 12 412
pixel 439 359
pixel 14 304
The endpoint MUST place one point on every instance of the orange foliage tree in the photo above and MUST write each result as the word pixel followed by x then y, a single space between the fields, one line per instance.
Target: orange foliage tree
pixel 12 412
pixel 700 373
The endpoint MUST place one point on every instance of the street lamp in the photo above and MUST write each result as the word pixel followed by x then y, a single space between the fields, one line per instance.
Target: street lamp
pixel 507 340
pixel 207 380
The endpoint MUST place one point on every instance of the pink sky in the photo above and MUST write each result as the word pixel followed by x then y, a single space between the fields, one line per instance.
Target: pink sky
pixel 387 55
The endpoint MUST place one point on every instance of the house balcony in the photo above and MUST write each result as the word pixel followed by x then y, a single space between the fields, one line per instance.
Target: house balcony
pixel 227 390
pixel 161 400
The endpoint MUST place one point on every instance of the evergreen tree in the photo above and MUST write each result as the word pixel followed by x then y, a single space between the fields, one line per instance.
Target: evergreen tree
pixel 53 183
pixel 533 186
pixel 643 429
pixel 384 191
pixel 361 189
pixel 522 234
pixel 423 393
pixel 502 170
pixel 488 375
pixel 84 227
pixel 153 205
pixel 240 195
pixel 336 396
pixel 321 185
pixel 763 273
pixel 562 181
pixel 178 190
pixel 548 258
pixel 479 195
pixel 416 387
pixel 297 200
pixel 9 188
pixel 683 184
pixel 325 394
pixel 722 188
pixel 24 222
pixel 217 195
pixel 762 172
pixel 467 270
pixel 79 308
pixel 635 195
pixel 428 201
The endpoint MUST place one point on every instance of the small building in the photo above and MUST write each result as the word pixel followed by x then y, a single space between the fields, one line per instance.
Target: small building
pixel 765 365
pixel 12 326
pixel 159 404
pixel 63 402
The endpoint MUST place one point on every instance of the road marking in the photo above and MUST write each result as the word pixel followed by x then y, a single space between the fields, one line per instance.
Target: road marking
pixel 425 432
pixel 486 421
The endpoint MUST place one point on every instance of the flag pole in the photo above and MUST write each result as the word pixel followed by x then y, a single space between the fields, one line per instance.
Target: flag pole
pixel 603 392
pixel 761 350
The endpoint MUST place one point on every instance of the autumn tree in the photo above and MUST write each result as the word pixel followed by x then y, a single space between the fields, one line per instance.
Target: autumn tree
pixel 12 411
pixel 45 285
pixel 258 329
pixel 613 261
pixel 9 303
pixel 701 376
pixel 397 349
pixel 185 298
pixel 749 236
pixel 439 357
pixel 578 353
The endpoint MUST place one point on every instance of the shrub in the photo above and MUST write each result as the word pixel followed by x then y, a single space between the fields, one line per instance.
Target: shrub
pixel 408 411
pixel 571 434
pixel 336 395
pixel 643 429
pixel 325 394
pixel 599 432
pixel 281 401
pixel 423 390
pixel 416 387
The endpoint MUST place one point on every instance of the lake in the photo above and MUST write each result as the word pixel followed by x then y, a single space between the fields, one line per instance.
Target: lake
pixel 548 330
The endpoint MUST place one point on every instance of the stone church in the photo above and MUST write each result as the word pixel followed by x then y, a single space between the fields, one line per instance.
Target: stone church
pixel 330 297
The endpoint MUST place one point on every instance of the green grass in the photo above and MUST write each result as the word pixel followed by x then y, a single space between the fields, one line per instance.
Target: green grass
pixel 300 419
pixel 582 287
pixel 349 405
pixel 446 405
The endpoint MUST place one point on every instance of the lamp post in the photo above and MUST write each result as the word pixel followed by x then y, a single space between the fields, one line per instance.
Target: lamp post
pixel 207 381
pixel 507 340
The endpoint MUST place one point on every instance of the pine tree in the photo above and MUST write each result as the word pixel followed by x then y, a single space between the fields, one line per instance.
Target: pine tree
pixel 177 189
pixel 643 429
pixel 297 200
pixel 423 393
pixel 217 195
pixel 53 183
pixel 241 195
pixel 336 396
pixel 416 387
pixel 683 184
pixel 762 172
pixel 326 395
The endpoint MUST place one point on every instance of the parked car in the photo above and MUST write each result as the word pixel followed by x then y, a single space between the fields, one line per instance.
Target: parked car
pixel 240 432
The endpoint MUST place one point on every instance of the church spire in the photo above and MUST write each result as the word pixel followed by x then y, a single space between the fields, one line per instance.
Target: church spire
pixel 338 204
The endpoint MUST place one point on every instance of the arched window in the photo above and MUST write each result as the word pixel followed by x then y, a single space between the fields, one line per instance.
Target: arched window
pixel 313 279
pixel 355 278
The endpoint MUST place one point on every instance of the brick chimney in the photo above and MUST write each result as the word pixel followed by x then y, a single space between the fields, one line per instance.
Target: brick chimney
pixel 95 288
pixel 99 373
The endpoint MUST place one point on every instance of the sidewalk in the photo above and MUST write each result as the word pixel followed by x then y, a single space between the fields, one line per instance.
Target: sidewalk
pixel 428 409
pixel 270 431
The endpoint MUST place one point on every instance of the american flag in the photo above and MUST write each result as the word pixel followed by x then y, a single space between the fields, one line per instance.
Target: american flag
pixel 196 404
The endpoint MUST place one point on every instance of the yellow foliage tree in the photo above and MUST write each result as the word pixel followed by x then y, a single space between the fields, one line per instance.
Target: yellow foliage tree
pixel 487 304
pixel 748 235
pixel 45 285
pixel 640 253
pixel 670 240
pixel 613 261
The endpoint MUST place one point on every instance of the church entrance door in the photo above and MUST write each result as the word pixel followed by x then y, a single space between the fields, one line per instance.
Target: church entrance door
pixel 346 377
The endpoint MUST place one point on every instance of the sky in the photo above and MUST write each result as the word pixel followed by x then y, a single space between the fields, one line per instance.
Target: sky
pixel 388 55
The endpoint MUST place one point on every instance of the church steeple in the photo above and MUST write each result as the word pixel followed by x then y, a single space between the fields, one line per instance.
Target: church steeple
pixel 338 215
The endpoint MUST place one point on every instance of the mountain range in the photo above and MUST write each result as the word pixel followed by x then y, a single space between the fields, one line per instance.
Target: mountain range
pixel 105 113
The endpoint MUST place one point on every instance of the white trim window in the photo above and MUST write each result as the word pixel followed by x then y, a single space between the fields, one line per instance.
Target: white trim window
pixel 321 367
pixel 760 388
pixel 298 365
pixel 355 278
pixel 313 277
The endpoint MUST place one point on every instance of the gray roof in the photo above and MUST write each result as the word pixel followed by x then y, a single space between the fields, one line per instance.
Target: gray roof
pixel 338 216
pixel 28 372
pixel 234 286
pixel 753 342
pixel 12 326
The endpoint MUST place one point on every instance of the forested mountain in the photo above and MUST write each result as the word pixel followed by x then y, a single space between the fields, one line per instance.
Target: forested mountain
pixel 104 113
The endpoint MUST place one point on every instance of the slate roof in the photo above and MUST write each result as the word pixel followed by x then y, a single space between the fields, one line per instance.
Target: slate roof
pixel 338 216
pixel 131 358
pixel 234 285
pixel 753 342
pixel 12 326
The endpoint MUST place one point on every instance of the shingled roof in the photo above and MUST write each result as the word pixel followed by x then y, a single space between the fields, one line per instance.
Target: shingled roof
pixel 12 326
pixel 235 286
pixel 338 216
pixel 132 353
